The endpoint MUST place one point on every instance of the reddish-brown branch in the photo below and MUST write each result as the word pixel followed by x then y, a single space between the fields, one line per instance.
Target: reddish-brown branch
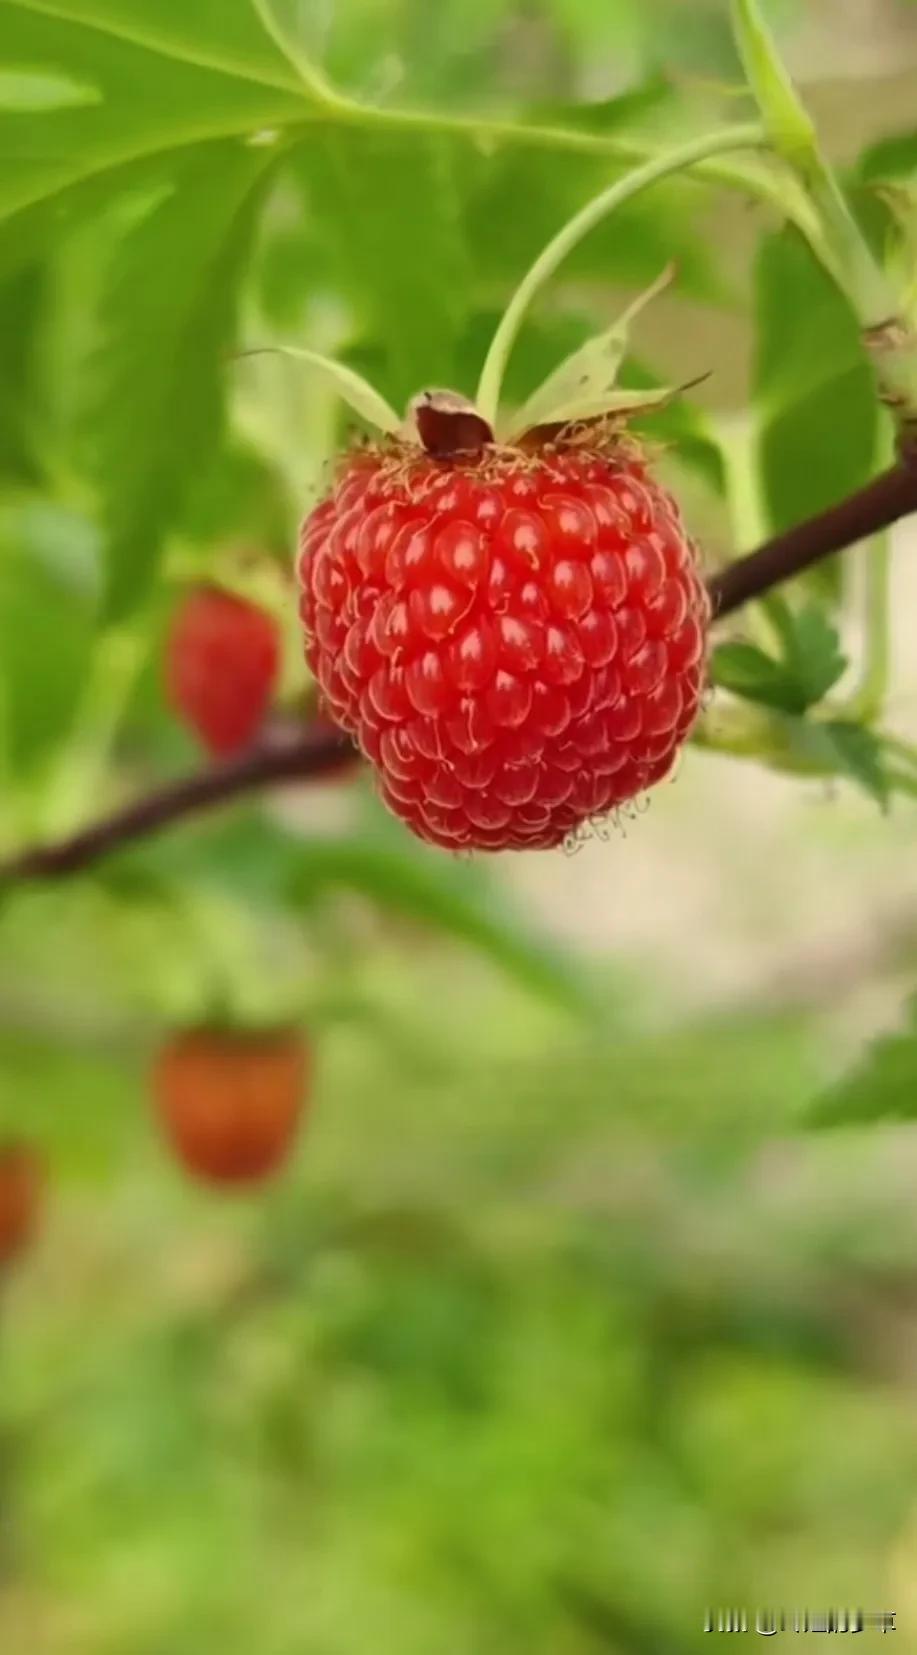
pixel 314 750
pixel 883 501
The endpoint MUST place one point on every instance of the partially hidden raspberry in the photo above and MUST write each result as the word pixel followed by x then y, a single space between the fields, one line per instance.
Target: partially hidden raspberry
pixel 21 1183
pixel 515 640
pixel 222 663
pixel 230 1101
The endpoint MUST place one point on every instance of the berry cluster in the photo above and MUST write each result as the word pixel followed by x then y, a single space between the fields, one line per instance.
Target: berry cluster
pixel 515 640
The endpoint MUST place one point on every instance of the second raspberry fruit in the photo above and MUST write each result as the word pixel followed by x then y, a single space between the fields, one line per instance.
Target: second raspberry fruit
pixel 21 1182
pixel 222 665
pixel 230 1101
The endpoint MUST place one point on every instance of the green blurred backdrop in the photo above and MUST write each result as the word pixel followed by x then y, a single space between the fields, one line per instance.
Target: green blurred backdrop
pixel 567 1321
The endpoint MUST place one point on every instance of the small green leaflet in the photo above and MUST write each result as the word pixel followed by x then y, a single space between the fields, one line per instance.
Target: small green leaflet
pixel 883 1086
pixel 746 670
pixel 811 662
pixel 811 648
pixel 858 754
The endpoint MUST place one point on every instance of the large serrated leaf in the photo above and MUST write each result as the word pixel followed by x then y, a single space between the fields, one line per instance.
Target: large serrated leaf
pixel 155 396
pixel 818 409
pixel 154 78
pixel 388 211
pixel 47 593
pixel 20 300
pixel 629 249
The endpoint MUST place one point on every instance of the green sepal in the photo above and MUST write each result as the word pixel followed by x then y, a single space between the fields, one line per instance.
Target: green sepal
pixel 582 386
pixel 351 387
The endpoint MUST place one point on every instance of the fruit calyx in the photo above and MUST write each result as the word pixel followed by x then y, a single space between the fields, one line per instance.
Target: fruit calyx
pixel 582 391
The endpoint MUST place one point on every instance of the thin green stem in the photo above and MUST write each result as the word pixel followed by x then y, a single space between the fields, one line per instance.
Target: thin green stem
pixel 623 189
pixel 840 242
pixel 903 750
pixel 738 440
pixel 866 701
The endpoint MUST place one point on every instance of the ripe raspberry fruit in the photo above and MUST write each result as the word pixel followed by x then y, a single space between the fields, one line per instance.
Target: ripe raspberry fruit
pixel 230 1101
pixel 20 1199
pixel 222 664
pixel 514 636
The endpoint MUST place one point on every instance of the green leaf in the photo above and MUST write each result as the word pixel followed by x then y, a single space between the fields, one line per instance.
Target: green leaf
pixel 882 1087
pixel 23 89
pixel 859 755
pixel 746 670
pixel 452 898
pixel 643 237
pixel 890 158
pixel 621 114
pixel 811 649
pixel 47 593
pixel 20 304
pixel 154 399
pixel 815 393
pixel 165 76
pixel 811 663
pixel 386 207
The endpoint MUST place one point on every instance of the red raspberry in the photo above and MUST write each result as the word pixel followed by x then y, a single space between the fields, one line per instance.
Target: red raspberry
pixel 21 1181
pixel 516 641
pixel 230 1102
pixel 222 663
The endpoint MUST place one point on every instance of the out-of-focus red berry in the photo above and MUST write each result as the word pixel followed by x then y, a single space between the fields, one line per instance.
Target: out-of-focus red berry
pixel 230 1102
pixel 222 664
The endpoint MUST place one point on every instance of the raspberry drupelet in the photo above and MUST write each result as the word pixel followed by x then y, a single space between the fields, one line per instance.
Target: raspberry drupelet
pixel 514 639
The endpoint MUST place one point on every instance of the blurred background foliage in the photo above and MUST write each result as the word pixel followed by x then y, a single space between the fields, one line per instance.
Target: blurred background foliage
pixel 567 1320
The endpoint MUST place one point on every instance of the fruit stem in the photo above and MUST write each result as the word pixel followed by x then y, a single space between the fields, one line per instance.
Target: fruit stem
pixel 548 261
pixel 839 242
